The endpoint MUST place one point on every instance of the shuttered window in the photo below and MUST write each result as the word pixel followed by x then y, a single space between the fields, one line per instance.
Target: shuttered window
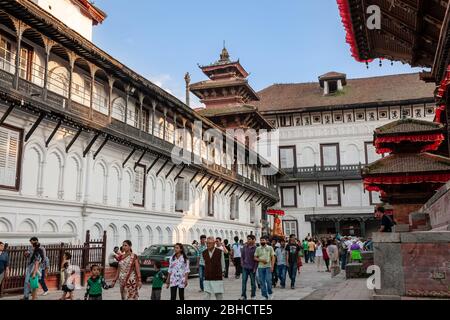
pixel 10 145
pixel 182 195
pixel 139 186
pixel 252 212
pixel 210 201
pixel 234 207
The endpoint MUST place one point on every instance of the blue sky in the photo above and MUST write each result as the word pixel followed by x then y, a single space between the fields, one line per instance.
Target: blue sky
pixel 276 41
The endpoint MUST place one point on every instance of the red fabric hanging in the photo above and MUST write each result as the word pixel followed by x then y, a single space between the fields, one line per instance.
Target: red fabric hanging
pixel 444 84
pixel 373 183
pixel 436 138
pixel 439 111
pixel 344 11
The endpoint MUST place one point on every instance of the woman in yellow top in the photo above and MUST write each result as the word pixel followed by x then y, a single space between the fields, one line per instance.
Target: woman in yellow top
pixel 312 250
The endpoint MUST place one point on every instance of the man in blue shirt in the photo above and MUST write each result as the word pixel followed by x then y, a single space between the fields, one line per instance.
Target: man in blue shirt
pixel 201 264
pixel 4 263
pixel 281 255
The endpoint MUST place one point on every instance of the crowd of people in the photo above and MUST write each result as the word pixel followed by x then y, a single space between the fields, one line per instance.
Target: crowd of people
pixel 270 263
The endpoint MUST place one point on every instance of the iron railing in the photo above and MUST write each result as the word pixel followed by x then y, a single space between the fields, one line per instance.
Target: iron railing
pixel 324 172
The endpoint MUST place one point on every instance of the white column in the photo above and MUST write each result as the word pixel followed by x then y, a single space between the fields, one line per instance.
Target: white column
pixel 325 88
pixel 88 177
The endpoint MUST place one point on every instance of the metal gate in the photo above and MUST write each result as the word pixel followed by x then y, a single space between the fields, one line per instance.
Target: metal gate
pixel 93 251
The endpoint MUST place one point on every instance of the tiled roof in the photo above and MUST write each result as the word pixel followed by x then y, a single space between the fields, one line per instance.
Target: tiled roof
pixel 332 75
pixel 243 109
pixel 215 112
pixel 299 96
pixel 235 81
pixel 408 126
pixel 408 163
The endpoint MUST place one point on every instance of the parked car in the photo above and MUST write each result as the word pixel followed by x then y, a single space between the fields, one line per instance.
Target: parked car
pixel 163 253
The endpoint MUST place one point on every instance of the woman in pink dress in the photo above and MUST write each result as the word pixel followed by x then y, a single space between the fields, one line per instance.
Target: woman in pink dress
pixel 128 273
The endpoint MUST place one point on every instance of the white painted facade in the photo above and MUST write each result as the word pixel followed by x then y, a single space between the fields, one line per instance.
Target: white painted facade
pixel 62 195
pixel 70 14
pixel 354 138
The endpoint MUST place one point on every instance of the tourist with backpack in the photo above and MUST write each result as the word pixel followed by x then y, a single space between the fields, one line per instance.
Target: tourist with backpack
pixel 343 250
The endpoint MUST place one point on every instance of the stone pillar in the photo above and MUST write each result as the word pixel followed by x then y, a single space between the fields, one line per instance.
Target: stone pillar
pixel 165 123
pixel 153 117
pixel 337 225
pixel 325 88
pixel 46 62
pixel 18 49
pixel 362 224
pixel 313 227
pixel 126 104
pixel 140 120
pixel 185 146
pixel 91 92
pixel 110 93
pixel 175 128
pixel 71 69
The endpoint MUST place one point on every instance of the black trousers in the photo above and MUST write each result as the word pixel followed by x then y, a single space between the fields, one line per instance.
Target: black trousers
pixel 227 267
pixel 327 264
pixel 237 264
pixel 173 293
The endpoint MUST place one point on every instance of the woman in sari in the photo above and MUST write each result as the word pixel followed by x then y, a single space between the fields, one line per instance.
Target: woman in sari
pixel 128 273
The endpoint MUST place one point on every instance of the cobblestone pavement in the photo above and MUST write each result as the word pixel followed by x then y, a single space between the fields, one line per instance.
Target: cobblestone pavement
pixel 311 285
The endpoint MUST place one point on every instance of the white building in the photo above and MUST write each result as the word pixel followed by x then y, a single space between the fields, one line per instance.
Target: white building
pixel 326 133
pixel 85 144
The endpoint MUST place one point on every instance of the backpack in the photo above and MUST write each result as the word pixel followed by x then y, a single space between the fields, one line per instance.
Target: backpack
pixel 342 248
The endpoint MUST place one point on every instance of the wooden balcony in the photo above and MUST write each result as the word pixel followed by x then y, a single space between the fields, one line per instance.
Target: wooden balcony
pixel 60 107
pixel 325 173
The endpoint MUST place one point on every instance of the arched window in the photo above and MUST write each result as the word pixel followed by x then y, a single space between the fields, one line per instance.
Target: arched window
pixel 118 109
pixel 58 81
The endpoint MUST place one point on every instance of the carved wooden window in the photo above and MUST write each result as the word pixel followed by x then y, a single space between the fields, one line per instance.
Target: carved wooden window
pixel 10 157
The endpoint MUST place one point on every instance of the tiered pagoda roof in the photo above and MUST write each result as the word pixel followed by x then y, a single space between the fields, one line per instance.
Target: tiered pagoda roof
pixel 250 115
pixel 408 135
pixel 408 173
pixel 228 96
pixel 227 84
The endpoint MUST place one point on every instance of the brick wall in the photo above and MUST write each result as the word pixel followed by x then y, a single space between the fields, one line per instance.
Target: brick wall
pixel 426 269
pixel 438 208
pixel 402 211
pixel 415 264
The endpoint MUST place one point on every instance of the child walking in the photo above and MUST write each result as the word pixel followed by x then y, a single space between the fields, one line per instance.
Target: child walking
pixel 95 285
pixel 68 278
pixel 158 282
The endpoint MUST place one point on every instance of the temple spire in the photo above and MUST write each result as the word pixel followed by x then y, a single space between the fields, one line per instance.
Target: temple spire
pixel 224 56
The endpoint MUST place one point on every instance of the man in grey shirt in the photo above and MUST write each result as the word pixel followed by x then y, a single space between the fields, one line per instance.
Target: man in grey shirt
pixel 280 253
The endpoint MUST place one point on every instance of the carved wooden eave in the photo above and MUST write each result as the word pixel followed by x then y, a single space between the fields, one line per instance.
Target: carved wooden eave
pixel 410 30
